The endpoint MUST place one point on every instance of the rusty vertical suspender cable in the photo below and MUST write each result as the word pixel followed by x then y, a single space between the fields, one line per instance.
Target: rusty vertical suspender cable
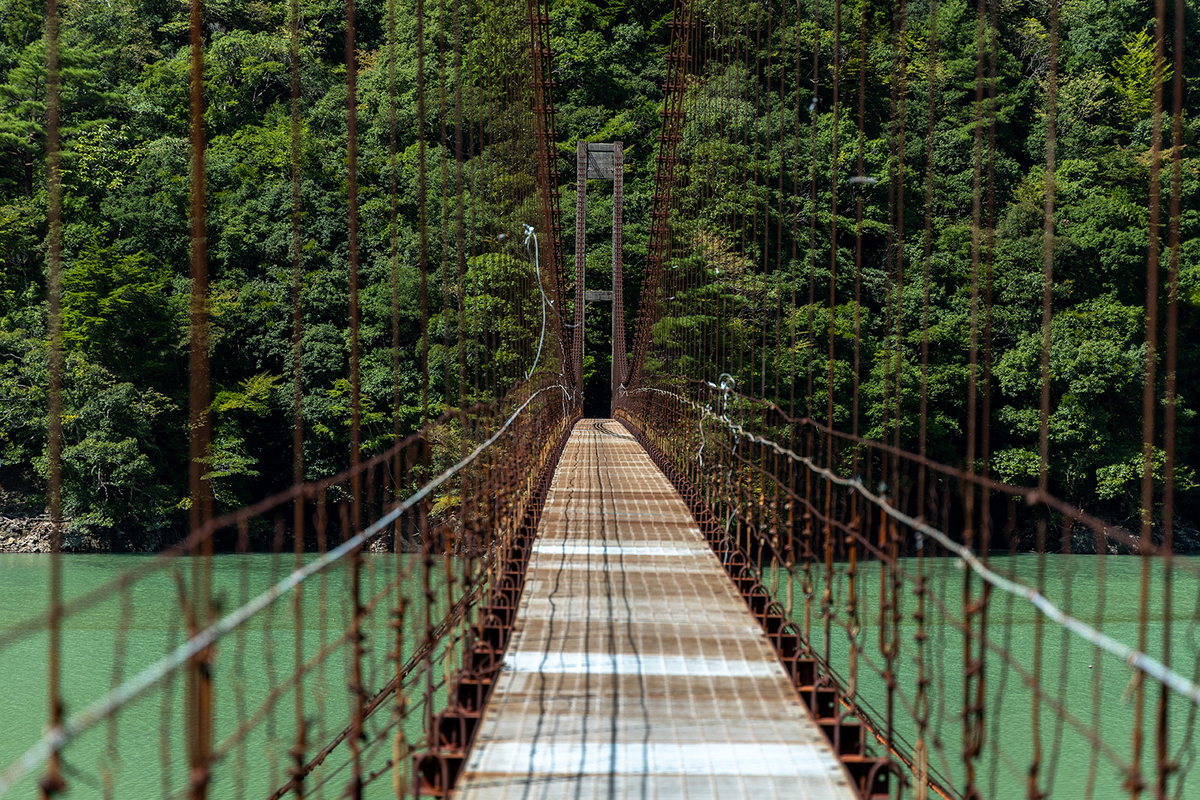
pixel 357 687
pixel 200 680
pixel 974 694
pixel 1137 781
pixel 297 752
pixel 1033 791
pixel 1162 743
pixel 52 782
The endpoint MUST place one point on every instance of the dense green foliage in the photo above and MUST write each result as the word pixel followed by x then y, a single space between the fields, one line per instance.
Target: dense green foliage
pixel 126 189
pixel 746 228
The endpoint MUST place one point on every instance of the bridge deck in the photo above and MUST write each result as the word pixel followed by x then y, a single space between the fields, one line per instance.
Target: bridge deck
pixel 635 669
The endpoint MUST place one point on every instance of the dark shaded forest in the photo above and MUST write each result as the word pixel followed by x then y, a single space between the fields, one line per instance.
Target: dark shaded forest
pixel 126 288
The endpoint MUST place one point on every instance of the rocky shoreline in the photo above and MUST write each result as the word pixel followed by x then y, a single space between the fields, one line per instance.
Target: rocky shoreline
pixel 25 528
pixel 34 534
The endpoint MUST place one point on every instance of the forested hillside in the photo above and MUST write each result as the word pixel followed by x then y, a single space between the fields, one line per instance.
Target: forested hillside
pixel 126 288
pixel 763 156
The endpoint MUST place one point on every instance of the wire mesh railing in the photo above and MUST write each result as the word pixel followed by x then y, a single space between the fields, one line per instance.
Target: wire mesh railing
pixel 306 644
pixel 853 286
pixel 970 628
pixel 335 626
pixel 991 638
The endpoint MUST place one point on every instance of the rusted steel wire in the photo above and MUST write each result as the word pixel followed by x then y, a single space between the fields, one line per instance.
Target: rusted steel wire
pixel 618 244
pixel 450 500
pixel 850 498
pixel 199 681
pixel 673 436
pixel 795 508
pixel 52 782
pixel 1163 758
pixel 665 179
pixel 581 156
pixel 297 752
pixel 543 407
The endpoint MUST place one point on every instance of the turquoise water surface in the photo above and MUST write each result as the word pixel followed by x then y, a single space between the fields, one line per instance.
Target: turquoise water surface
pixel 1087 700
pixel 141 752
pixel 1086 711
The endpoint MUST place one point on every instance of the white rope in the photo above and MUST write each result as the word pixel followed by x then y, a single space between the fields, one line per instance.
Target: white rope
pixel 1133 658
pixel 529 233
pixel 57 738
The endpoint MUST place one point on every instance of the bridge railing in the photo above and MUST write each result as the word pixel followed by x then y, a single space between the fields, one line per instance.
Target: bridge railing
pixel 317 667
pixel 319 659
pixel 989 636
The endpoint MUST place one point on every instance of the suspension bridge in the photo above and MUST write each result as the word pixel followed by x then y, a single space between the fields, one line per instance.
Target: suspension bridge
pixel 726 587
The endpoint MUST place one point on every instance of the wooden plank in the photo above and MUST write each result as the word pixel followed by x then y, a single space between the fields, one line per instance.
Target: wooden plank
pixel 635 669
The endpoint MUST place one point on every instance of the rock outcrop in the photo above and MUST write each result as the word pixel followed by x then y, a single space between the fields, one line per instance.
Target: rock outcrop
pixel 26 529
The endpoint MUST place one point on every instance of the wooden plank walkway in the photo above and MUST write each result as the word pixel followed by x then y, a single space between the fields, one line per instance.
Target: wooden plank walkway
pixel 635 668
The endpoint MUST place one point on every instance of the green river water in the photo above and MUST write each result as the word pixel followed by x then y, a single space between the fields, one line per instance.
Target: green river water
pixel 1083 750
pixel 141 754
